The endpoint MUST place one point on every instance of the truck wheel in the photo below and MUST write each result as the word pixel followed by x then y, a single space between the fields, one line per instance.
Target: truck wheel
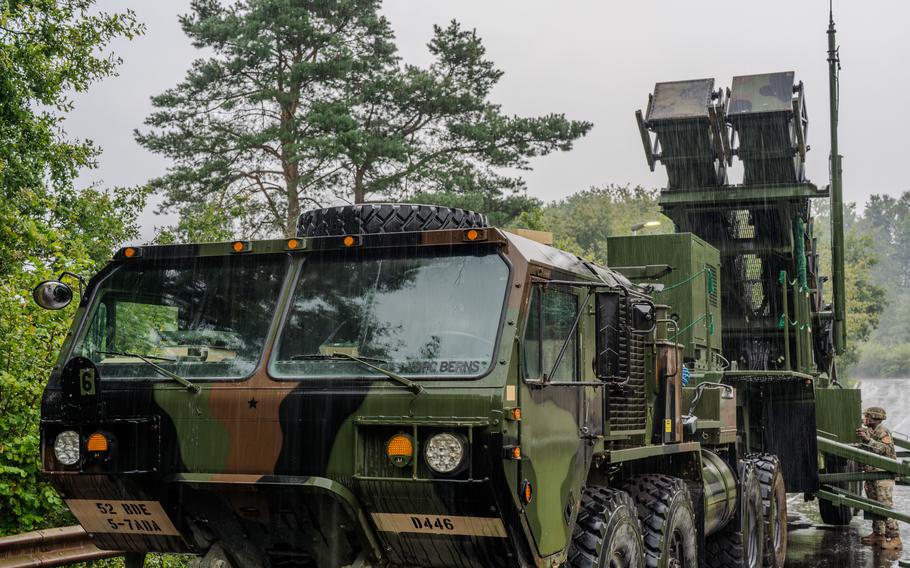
pixel 837 514
pixel 385 218
pixel 774 505
pixel 667 520
pixel 607 532
pixel 740 543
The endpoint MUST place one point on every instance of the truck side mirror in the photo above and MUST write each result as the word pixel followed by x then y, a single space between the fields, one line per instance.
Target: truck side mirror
pixel 643 320
pixel 55 294
pixel 52 295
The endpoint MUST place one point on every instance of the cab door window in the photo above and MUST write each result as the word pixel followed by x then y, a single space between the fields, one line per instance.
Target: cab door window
pixel 551 315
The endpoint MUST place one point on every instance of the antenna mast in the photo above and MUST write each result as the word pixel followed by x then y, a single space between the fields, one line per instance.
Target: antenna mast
pixel 837 193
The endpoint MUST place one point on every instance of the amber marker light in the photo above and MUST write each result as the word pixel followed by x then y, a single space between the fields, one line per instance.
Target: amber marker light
pixel 350 241
pixel 292 244
pixel 239 246
pixel 516 453
pixel 515 414
pixel 97 442
pixel 527 492
pixel 473 235
pixel 130 252
pixel 399 449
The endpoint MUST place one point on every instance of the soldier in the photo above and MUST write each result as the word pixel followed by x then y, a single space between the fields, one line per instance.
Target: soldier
pixel 877 438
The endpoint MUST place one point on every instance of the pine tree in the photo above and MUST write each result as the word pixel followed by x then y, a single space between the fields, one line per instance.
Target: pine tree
pixel 435 129
pixel 240 126
pixel 307 100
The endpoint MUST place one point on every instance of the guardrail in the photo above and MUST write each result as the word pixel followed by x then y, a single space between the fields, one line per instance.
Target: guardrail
pixel 50 547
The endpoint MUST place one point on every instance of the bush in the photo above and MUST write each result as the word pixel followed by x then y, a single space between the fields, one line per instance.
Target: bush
pixel 877 360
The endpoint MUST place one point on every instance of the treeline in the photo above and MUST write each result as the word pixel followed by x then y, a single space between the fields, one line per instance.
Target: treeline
pixel 876 255
pixel 884 227
pixel 580 223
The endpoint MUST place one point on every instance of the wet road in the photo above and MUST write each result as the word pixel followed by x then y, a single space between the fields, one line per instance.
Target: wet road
pixel 814 544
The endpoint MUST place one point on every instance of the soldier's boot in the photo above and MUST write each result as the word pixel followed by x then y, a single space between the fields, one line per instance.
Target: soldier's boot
pixel 893 543
pixel 873 539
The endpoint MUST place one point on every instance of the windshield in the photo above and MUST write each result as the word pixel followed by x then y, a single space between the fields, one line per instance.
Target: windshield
pixel 196 317
pixel 425 314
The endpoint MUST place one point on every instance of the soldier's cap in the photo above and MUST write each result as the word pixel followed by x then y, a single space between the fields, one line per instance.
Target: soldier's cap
pixel 875 413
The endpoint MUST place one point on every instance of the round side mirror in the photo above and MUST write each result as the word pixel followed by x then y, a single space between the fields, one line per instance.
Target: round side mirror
pixel 52 295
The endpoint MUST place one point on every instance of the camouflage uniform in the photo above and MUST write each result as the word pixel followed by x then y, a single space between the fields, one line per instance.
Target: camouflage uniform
pixel 881 490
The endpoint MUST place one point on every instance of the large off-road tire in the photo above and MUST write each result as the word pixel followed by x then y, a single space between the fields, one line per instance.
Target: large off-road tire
pixel 740 544
pixel 667 520
pixel 370 218
pixel 774 504
pixel 607 532
pixel 832 514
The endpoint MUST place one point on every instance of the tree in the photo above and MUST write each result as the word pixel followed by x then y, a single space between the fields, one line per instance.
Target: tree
pixel 501 210
pixel 434 129
pixel 865 298
pixel 309 100
pixel 241 126
pixel 888 220
pixel 48 49
pixel 582 222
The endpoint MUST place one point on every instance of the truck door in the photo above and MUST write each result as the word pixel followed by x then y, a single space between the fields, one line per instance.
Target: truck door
pixel 553 453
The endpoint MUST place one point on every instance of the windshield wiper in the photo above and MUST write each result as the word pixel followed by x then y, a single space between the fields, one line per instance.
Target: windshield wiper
pixel 415 388
pixel 137 356
pixel 160 370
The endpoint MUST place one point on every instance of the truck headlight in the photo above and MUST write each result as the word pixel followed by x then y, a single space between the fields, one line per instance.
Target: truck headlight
pixel 66 447
pixel 444 452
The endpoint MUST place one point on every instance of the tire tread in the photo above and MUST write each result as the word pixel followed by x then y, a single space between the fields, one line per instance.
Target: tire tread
pixel 372 218
pixel 597 504
pixel 653 494
pixel 766 466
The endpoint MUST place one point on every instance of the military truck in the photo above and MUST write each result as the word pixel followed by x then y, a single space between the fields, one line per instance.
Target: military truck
pixel 402 385
pixel 405 385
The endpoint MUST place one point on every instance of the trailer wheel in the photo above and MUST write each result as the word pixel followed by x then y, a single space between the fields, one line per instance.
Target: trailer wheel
pixel 607 533
pixel 667 520
pixel 832 514
pixel 740 544
pixel 774 504
pixel 367 218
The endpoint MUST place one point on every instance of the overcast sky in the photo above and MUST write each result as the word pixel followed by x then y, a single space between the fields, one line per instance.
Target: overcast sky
pixel 592 60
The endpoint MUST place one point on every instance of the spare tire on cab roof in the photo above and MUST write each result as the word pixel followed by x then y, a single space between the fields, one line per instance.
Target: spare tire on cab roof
pixel 368 218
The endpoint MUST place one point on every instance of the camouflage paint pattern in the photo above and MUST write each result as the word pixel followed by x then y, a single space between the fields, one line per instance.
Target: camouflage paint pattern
pixel 881 490
pixel 689 139
pixel 681 99
pixel 234 458
pixel 765 92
